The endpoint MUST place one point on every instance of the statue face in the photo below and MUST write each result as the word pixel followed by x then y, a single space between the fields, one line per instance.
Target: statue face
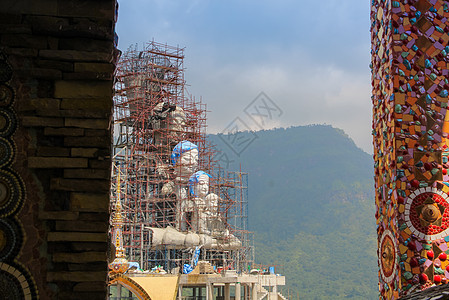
pixel 201 188
pixel 187 163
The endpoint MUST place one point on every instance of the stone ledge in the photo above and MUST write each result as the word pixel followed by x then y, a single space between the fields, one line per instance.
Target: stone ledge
pixel 82 226
pixel 53 151
pixel 56 162
pixel 77 276
pixel 58 215
pixel 64 131
pixel 82 89
pixel 75 113
pixel 97 132
pixel 15 29
pixel 77 237
pixel 87 173
pixel 100 164
pixel 83 257
pixel 90 246
pixel 23 52
pixel 85 44
pixel 38 103
pixel 87 75
pixel 38 73
pixel 89 202
pixel 94 67
pixel 87 123
pixel 103 103
pixel 79 185
pixel 92 9
pixel 54 64
pixel 32 121
pixel 24 41
pixel 84 152
pixel 96 286
pixel 10 17
pixel 89 142
pixel 73 55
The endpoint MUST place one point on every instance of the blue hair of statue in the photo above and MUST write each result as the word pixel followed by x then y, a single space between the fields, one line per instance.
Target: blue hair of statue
pixel 180 148
pixel 195 179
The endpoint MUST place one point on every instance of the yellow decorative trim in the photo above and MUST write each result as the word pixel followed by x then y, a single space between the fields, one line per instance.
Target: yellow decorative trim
pixel 131 285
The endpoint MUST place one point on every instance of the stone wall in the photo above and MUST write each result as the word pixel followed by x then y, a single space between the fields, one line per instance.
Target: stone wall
pixel 57 59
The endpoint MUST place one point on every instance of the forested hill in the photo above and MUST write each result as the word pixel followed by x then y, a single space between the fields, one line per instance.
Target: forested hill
pixel 311 206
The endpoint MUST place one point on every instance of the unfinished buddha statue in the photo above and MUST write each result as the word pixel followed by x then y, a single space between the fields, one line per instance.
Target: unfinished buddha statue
pixel 204 203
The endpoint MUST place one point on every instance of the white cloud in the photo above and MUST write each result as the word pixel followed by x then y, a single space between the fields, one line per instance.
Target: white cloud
pixel 317 73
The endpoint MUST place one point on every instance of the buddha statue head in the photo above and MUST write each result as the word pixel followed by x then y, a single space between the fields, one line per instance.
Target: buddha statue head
pixel 199 184
pixel 185 159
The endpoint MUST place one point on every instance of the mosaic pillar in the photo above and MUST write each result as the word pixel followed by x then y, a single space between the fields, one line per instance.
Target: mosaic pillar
pixel 410 127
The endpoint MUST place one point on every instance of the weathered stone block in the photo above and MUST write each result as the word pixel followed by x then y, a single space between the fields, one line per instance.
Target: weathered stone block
pixel 95 216
pixel 24 52
pixel 98 247
pixel 38 73
pixel 90 286
pixel 77 237
pixel 73 55
pixel 64 131
pixel 87 123
pixel 89 202
pixel 94 67
pixel 86 173
pixel 38 103
pixel 74 113
pixel 41 7
pixel 53 151
pixel 46 25
pixel 87 76
pixel 84 152
pixel 58 215
pixel 44 7
pixel 83 257
pixel 81 226
pixel 92 266
pixel 54 64
pixel 83 89
pixel 9 17
pixel 32 121
pixel 98 9
pixel 77 276
pixel 15 29
pixel 96 132
pixel 100 164
pixel 56 162
pixel 79 185
pixel 85 44
pixel 24 41
pixel 94 141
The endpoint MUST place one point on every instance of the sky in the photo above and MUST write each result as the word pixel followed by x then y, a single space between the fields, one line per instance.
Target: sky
pixel 264 64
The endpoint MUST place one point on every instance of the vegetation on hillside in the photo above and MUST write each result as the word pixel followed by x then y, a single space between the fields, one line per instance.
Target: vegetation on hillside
pixel 311 207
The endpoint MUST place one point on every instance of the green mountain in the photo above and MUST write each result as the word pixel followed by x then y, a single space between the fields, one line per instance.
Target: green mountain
pixel 311 206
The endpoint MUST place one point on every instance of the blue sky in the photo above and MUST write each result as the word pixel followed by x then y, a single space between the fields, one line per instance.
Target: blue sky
pixel 311 58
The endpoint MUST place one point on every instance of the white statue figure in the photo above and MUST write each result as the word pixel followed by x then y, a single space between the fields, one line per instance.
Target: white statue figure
pixel 205 204
pixel 185 160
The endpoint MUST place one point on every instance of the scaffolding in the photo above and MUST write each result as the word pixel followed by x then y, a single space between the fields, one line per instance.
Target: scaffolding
pixel 159 147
